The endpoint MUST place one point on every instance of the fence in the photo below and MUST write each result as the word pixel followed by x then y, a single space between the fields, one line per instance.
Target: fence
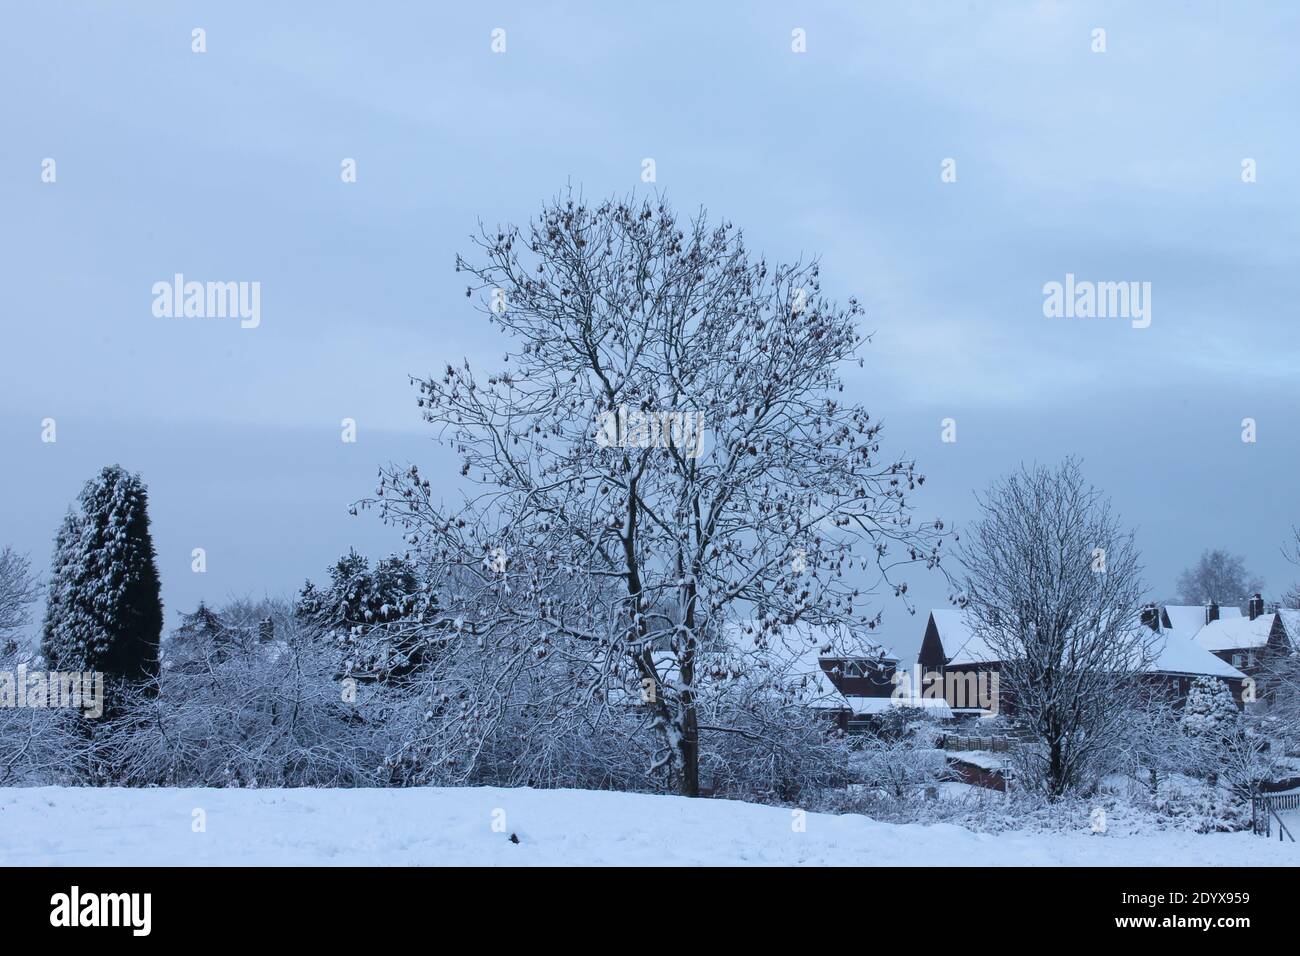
pixel 991 744
pixel 1265 808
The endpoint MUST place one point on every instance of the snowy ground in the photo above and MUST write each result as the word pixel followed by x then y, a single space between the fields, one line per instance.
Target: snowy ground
pixel 431 827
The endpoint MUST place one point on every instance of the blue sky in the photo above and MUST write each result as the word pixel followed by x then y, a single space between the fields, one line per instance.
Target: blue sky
pixel 1116 166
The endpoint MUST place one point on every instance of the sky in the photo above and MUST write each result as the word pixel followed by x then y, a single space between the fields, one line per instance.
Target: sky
pixel 1122 165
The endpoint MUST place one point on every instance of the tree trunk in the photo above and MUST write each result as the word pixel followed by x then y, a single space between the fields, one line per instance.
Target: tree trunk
pixel 1056 771
pixel 690 753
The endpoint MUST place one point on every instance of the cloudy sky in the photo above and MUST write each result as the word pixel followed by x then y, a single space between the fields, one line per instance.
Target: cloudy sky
pixel 1123 165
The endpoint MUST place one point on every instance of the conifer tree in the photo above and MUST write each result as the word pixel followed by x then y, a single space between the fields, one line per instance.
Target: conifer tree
pixel 1210 709
pixel 104 610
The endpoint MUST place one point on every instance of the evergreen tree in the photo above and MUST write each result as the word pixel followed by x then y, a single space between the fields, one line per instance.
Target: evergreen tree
pixel 1210 709
pixel 359 598
pixel 104 610
pixel 61 580
pixel 199 634
pixel 310 603
pixel 374 614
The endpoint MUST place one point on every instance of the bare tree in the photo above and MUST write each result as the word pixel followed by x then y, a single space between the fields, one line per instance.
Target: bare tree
pixel 19 590
pixel 665 454
pixel 1291 551
pixel 1218 576
pixel 1279 683
pixel 1054 589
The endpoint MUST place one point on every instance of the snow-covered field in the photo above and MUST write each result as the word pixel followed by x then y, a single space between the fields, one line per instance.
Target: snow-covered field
pixel 432 827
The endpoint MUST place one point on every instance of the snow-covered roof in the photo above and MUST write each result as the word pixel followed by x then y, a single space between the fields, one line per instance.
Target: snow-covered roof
pixel 1227 635
pixel 1176 653
pixel 867 706
pixel 984 759
pixel 1190 618
pixel 1291 624
pixel 790 657
pixel 960 644
pixel 879 705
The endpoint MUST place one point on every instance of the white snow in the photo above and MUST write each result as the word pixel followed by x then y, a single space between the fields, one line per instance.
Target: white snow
pixel 1175 651
pixel 430 827
pixel 1235 633
pixel 879 705
pixel 1177 654
pixel 1190 618
pixel 984 759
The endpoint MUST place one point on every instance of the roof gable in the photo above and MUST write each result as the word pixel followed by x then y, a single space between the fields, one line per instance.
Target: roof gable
pixel 958 639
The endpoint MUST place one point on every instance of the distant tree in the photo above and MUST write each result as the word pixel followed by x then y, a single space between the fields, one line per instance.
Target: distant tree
pixel 199 634
pixel 19 590
pixel 373 614
pixel 1218 576
pixel 104 609
pixel 310 602
pixel 1054 589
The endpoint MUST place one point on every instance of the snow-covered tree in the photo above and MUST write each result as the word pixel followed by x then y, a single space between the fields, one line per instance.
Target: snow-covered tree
pixel 63 577
pixel 1218 576
pixel 1210 709
pixel 249 713
pixel 375 615
pixel 1054 588
pixel 899 756
pixel 666 452
pixel 104 609
pixel 359 597
pixel 19 590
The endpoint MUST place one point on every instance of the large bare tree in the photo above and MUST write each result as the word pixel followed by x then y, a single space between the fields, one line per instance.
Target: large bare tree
pixel 1054 589
pixel 1218 576
pixel 665 464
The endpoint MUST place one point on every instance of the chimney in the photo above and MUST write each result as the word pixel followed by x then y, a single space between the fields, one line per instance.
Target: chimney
pixel 1255 606
pixel 1151 617
pixel 1211 611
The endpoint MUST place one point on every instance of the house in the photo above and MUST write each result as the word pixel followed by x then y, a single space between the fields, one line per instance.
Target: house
pixel 834 671
pixel 1179 659
pixel 952 648
pixel 1247 642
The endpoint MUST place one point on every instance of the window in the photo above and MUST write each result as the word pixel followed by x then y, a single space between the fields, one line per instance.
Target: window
pixel 1237 660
